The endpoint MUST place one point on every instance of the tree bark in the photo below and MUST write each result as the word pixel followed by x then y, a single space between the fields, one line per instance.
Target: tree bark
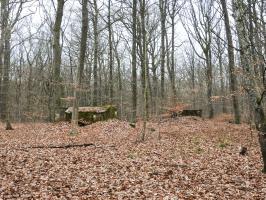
pixel 6 71
pixel 172 14
pixel 95 54
pixel 57 87
pixel 2 21
pixel 5 50
pixel 246 57
pixel 209 82
pixel 220 58
pixel 111 87
pixel 79 78
pixel 231 64
pixel 120 79
pixel 144 61
pixel 162 6
pixel 134 61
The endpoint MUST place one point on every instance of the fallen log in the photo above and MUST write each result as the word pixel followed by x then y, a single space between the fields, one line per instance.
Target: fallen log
pixel 56 147
pixel 63 146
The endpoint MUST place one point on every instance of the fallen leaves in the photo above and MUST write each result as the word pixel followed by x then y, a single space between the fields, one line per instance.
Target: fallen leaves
pixel 192 160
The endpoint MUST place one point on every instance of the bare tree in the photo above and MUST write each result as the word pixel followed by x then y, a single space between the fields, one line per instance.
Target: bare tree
pixel 110 43
pixel 173 10
pixel 231 59
pixel 220 49
pixel 57 87
pixel 144 61
pixel 255 88
pixel 134 61
pixel 163 6
pixel 9 18
pixel 80 71
pixel 200 30
pixel 95 52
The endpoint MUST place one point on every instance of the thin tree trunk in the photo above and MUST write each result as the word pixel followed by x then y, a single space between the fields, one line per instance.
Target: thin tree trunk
pixel 111 87
pixel 2 21
pixel 95 59
pixel 102 74
pixel 162 5
pixel 192 68
pixel 144 57
pixel 120 86
pixel 172 73
pixel 222 85
pixel 224 110
pixel 134 61
pixel 29 85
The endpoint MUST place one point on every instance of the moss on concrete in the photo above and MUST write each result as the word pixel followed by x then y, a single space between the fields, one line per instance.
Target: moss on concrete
pixel 93 114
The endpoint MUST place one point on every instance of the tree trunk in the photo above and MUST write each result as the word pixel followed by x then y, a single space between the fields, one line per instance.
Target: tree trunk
pixel 79 78
pixel 154 78
pixel 209 83
pixel 6 71
pixel 162 5
pixel 120 83
pixel 261 127
pixel 57 87
pixel 239 8
pixel 231 65
pixel 172 71
pixel 222 91
pixel 144 57
pixel 95 54
pixel 111 87
pixel 134 61
pixel 5 62
pixel 1 56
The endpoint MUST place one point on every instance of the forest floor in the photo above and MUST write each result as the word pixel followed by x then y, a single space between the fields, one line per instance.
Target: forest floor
pixel 192 159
